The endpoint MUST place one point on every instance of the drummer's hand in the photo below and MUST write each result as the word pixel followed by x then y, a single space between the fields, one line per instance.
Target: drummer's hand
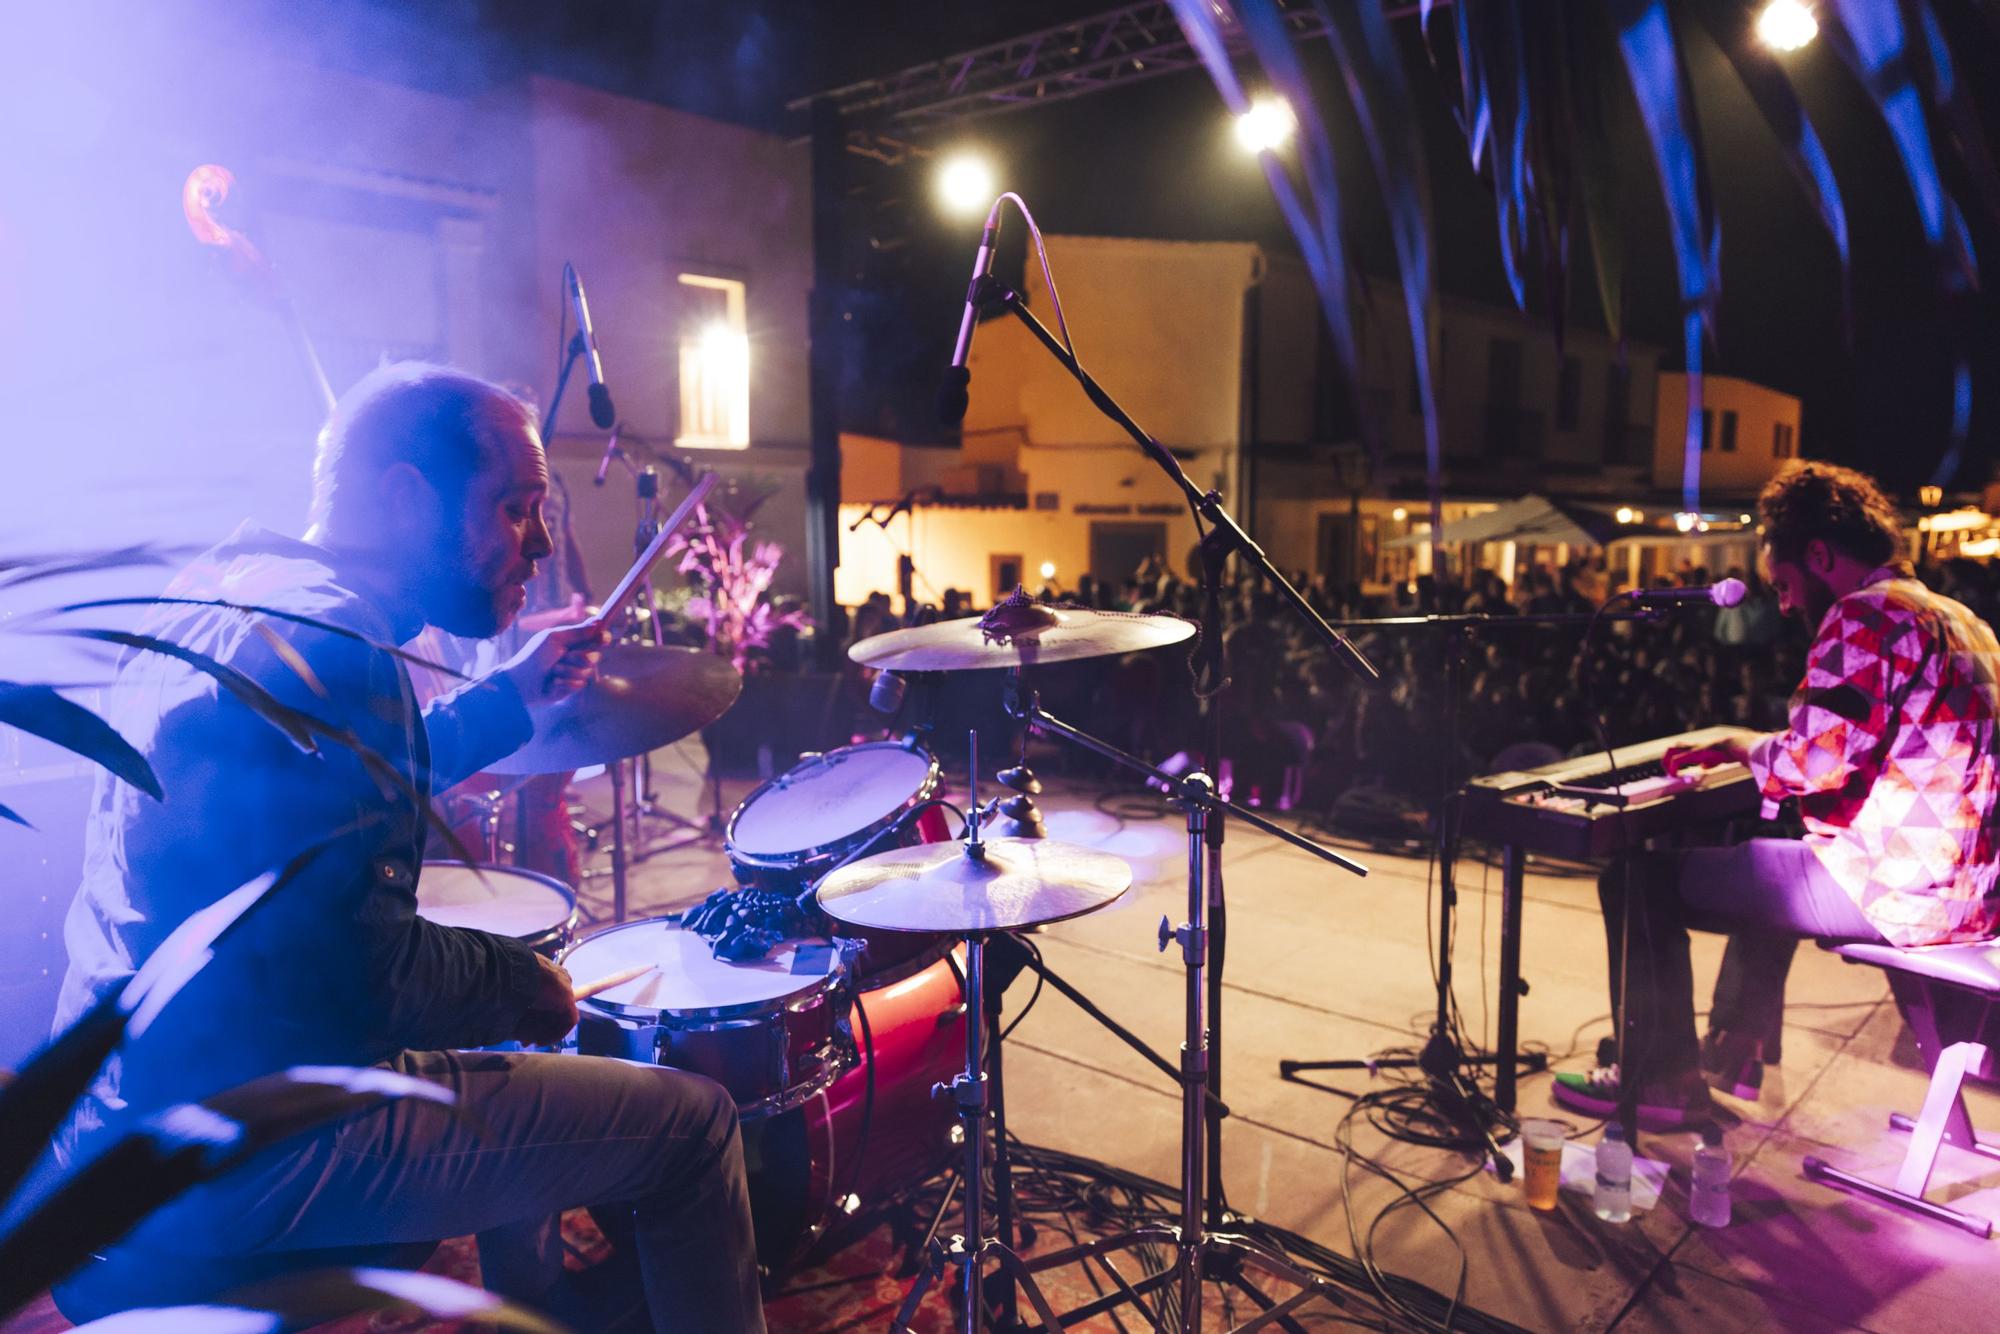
pixel 556 663
pixel 552 1013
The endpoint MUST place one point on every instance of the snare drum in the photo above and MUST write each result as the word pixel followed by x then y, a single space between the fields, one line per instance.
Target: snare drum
pixel 501 899
pixel 800 825
pixel 770 1030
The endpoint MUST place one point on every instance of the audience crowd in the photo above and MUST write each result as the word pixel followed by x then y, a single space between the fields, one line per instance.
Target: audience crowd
pixel 1302 729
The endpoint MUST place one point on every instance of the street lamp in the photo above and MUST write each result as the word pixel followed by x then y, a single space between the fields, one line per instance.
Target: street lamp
pixel 1786 25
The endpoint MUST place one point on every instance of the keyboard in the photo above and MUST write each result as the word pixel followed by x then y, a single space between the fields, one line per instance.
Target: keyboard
pixel 1585 807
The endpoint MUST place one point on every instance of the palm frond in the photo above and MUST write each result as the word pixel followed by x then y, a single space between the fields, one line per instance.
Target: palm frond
pixel 254 609
pixel 302 1301
pixel 16 571
pixel 102 1200
pixel 1764 79
pixel 40 711
pixel 34 1103
pixel 1666 109
pixel 303 729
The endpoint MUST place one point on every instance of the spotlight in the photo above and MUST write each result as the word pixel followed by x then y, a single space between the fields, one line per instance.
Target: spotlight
pixel 1399 514
pixel 1786 25
pixel 1267 126
pixel 965 184
pixel 1048 569
pixel 1625 514
pixel 1686 520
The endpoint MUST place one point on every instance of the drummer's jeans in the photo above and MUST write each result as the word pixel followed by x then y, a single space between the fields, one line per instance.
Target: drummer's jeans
pixel 535 1134
pixel 1766 893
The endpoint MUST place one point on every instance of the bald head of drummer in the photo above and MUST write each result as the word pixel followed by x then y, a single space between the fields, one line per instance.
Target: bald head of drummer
pixel 433 480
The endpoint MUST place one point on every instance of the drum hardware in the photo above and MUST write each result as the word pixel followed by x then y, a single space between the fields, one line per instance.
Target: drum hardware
pixel 830 1126
pixel 1201 1247
pixel 632 796
pixel 819 815
pixel 1023 816
pixel 974 889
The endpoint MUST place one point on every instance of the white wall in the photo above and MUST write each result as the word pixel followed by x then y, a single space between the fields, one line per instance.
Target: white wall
pixel 1758 410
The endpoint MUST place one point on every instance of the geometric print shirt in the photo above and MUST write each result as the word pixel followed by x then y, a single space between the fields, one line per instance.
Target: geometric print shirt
pixel 1892 754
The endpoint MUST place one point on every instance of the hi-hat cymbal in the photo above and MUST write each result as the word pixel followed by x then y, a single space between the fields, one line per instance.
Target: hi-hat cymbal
pixel 1018 635
pixel 644 697
pixel 937 887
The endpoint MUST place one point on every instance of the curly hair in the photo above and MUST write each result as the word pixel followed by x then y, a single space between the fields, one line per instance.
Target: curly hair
pixel 1839 506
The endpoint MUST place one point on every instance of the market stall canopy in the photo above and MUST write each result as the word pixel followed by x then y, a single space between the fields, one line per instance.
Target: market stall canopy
pixel 1534 519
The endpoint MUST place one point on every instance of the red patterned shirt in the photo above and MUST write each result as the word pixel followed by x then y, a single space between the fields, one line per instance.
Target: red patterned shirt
pixel 1892 754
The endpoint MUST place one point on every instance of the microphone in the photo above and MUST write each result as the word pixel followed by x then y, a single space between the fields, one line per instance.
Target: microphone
pixel 886 695
pixel 1725 593
pixel 611 451
pixel 602 414
pixel 952 396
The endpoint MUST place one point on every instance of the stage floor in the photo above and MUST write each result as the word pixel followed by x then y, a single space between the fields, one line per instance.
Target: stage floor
pixel 1321 964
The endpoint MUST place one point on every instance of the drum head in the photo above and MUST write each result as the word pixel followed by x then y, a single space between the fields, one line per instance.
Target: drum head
pixel 500 899
pixel 688 978
pixel 819 802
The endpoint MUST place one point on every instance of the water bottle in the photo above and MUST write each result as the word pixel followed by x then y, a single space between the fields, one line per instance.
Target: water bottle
pixel 1708 1201
pixel 1614 1175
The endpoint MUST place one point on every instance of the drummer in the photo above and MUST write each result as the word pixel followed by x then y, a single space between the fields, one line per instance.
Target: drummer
pixel 427 509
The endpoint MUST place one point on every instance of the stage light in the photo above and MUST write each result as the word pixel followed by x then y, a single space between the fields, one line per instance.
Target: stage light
pixel 1625 514
pixel 1048 569
pixel 965 184
pixel 1267 126
pixel 1786 25
pixel 1686 520
pixel 1930 497
pixel 1399 514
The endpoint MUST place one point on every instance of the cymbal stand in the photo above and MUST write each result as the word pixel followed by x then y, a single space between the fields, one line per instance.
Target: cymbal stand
pixel 1199 1249
pixel 632 803
pixel 969 1091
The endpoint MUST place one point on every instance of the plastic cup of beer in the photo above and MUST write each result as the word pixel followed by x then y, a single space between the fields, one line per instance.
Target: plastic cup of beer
pixel 1541 1160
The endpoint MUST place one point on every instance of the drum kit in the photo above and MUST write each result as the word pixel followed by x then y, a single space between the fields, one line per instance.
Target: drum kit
pixel 839 991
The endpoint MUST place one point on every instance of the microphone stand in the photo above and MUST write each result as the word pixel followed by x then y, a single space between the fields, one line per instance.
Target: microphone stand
pixel 1444 1061
pixel 1202 941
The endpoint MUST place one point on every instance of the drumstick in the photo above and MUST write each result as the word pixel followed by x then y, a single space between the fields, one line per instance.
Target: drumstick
pixel 630 583
pixel 617 979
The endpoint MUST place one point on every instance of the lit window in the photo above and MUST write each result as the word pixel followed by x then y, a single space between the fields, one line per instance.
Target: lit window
pixel 715 364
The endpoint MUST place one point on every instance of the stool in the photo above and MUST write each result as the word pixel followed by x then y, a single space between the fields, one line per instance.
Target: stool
pixel 121 1279
pixel 1947 995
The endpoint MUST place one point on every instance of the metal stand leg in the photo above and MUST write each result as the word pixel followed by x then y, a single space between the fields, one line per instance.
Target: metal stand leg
pixel 1943 1120
pixel 1507 1039
pixel 1198 1252
pixel 616 774
pixel 969 1090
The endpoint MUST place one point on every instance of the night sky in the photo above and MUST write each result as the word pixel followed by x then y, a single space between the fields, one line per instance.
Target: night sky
pixel 1154 159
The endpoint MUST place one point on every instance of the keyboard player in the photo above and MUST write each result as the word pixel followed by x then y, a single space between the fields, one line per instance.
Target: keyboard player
pixel 1892 754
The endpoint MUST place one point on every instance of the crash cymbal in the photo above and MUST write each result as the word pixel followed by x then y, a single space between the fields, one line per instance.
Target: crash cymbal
pixel 1018 634
pixel 937 887
pixel 644 697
